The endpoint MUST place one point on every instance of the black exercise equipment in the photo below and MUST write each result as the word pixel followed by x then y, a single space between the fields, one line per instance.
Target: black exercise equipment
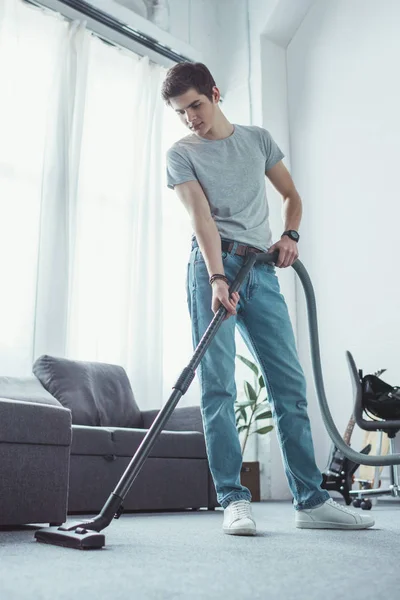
pixel 85 535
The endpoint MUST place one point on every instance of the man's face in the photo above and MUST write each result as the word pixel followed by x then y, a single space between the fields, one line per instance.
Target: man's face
pixel 195 110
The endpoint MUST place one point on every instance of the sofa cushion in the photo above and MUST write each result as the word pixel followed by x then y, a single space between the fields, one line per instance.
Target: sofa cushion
pixel 97 394
pixel 169 444
pixel 109 442
pixel 26 389
pixel 91 441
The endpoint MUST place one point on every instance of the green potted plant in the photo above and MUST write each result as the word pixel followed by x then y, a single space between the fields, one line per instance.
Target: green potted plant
pixel 250 414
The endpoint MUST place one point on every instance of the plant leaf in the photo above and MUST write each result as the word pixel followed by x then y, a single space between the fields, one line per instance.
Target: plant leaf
pixel 242 428
pixel 261 382
pixel 248 363
pixel 265 401
pixel 241 414
pixel 265 415
pixel 244 403
pixel 250 393
pixel 264 430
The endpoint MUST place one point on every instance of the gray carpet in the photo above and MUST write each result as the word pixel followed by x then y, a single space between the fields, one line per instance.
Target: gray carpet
pixel 186 556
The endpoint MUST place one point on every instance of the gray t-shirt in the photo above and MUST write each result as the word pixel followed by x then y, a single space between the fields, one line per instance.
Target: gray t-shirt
pixel 232 174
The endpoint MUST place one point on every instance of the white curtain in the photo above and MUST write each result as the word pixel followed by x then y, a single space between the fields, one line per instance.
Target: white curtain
pixel 93 246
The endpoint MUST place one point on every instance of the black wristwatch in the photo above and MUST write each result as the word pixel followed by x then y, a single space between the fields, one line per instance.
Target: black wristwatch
pixel 292 234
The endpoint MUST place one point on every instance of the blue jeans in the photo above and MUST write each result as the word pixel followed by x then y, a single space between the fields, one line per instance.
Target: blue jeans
pixel 263 322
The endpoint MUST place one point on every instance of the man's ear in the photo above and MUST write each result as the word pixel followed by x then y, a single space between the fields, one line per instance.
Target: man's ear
pixel 216 94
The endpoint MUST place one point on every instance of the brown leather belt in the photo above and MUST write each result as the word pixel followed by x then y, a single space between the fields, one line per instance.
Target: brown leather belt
pixel 241 249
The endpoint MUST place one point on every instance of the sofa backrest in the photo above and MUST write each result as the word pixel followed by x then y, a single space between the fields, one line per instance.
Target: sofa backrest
pixel 98 394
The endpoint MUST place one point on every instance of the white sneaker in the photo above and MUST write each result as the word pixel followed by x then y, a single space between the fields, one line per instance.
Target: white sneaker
pixel 238 519
pixel 331 515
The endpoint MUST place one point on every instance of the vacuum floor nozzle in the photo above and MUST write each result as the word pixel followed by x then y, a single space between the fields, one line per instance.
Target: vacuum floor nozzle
pixel 79 538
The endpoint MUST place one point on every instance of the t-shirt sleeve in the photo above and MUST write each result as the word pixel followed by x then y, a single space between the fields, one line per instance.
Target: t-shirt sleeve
pixel 179 169
pixel 273 154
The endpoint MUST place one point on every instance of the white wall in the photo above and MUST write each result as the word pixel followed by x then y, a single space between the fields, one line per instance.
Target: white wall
pixel 344 95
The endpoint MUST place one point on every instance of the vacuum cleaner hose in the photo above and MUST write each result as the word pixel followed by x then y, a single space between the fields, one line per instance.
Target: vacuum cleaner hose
pixel 357 457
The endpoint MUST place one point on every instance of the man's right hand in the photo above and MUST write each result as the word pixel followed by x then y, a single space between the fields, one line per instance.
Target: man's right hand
pixel 220 295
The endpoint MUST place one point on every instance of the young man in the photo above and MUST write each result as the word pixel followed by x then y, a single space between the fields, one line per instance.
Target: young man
pixel 218 172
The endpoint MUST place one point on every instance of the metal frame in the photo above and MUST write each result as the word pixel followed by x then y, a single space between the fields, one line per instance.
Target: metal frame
pixel 391 427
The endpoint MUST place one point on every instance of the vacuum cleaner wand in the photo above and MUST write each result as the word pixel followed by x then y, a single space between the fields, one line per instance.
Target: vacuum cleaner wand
pixel 85 535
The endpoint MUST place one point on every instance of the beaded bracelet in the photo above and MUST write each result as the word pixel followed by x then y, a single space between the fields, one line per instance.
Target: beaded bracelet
pixel 218 276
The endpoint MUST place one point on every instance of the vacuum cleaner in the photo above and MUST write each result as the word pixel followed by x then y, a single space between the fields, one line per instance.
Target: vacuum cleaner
pixel 86 535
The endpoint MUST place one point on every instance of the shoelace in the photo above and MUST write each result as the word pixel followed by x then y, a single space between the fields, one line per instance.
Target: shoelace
pixel 344 508
pixel 240 509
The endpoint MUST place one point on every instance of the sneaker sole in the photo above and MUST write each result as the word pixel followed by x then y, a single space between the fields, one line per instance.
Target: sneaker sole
pixel 243 531
pixel 319 525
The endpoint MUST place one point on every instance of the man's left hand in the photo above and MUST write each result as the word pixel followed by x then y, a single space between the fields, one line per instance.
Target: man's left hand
pixel 288 251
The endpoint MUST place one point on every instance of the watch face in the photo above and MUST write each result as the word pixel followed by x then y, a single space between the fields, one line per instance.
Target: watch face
pixel 294 235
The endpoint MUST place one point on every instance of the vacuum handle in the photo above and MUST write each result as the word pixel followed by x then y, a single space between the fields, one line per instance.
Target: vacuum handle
pixel 268 257
pixel 252 257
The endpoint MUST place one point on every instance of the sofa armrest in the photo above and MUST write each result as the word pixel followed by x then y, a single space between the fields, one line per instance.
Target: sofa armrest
pixel 26 422
pixel 185 418
pixel 26 389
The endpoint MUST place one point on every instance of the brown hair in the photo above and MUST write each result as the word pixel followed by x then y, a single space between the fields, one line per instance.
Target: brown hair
pixel 184 76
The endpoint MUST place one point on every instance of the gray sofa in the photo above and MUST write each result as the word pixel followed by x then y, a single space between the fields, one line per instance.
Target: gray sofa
pixel 67 434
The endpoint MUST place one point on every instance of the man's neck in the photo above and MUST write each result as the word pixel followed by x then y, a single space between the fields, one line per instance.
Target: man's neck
pixel 220 130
